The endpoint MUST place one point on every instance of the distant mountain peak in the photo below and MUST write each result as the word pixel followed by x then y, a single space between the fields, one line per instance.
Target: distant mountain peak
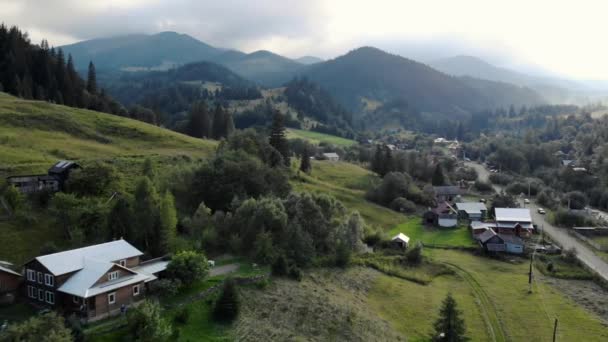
pixel 309 60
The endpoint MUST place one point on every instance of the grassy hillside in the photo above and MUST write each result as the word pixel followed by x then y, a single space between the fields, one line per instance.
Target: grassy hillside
pixel 34 134
pixel 317 138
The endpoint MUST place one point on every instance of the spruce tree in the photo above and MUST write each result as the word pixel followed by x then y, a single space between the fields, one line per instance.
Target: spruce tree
pixel 168 224
pixel 146 211
pixel 378 161
pixel 92 79
pixel 199 124
pixel 450 326
pixel 277 137
pixel 227 305
pixel 438 176
pixel 120 220
pixel 219 123
pixel 228 123
pixel 305 162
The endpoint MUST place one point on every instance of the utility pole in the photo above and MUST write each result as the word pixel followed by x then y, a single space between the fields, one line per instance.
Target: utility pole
pixel 528 189
pixel 555 330
pixel 530 274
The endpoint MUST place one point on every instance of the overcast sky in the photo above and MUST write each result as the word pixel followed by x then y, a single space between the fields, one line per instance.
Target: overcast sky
pixel 560 36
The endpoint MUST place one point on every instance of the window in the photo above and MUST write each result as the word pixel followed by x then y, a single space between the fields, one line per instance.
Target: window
pixel 113 275
pixel 31 275
pixel 76 300
pixel 40 295
pixel 112 298
pixel 123 263
pixel 31 291
pixel 136 290
pixel 40 277
pixel 50 297
pixel 49 280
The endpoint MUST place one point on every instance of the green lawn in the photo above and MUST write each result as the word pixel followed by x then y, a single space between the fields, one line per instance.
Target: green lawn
pixel 413 227
pixel 316 137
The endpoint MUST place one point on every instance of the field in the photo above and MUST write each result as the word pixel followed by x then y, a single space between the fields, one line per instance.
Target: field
pixel 413 227
pixel 35 134
pixel 316 137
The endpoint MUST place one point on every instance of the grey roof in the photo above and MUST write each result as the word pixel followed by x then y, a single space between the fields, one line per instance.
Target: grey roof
pixel 401 237
pixel 519 215
pixel 514 239
pixel 62 166
pixel 8 270
pixel 487 235
pixel 152 268
pixel 567 162
pixel 481 225
pixel 74 260
pixel 446 190
pixel 472 207
pixel 331 155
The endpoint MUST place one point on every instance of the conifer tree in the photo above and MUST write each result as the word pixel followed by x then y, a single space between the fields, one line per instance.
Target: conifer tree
pixel 228 123
pixel 305 162
pixel 146 211
pixel 450 326
pixel 120 220
pixel 377 161
pixel 219 124
pixel 277 137
pixel 92 79
pixel 199 125
pixel 168 224
pixel 438 176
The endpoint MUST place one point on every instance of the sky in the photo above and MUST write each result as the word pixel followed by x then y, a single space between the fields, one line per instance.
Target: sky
pixel 560 37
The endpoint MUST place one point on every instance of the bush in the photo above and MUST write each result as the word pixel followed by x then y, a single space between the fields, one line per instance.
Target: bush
pixel 182 316
pixel 483 186
pixel 165 287
pixel 147 324
pixel 279 266
pixel 403 205
pixel 295 273
pixel 570 255
pixel 500 178
pixel 547 198
pixel 569 219
pixel 414 255
pixel 14 198
pixel 550 266
pixel 577 200
pixel 227 305
pixel 188 267
pixel 343 254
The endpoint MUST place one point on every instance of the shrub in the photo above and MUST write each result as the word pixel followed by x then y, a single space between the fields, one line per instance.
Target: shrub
pixel 14 198
pixel 414 255
pixel 482 186
pixel 570 255
pixel 279 266
pixel 188 267
pixel 577 200
pixel 166 287
pixel 227 305
pixel 403 205
pixel 569 219
pixel 550 266
pixel 295 273
pixel 343 254
pixel 182 315
pixel 147 324
pixel 500 178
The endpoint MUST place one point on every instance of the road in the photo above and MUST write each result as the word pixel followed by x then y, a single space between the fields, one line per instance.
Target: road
pixel 559 235
pixel 224 269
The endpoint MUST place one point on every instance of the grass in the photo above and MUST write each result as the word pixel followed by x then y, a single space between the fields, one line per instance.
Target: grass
pixel 561 267
pixel 317 138
pixel 397 266
pixel 455 237
pixel 345 182
pixel 35 134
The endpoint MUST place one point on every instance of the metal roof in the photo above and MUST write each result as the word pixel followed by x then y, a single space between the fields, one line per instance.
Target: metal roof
pixel 331 155
pixel 471 207
pixel 401 237
pixel 446 190
pixel 487 235
pixel 62 165
pixel 152 268
pixel 8 270
pixel 74 260
pixel 519 215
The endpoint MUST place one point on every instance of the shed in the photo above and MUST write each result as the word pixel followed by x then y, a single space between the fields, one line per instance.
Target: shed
pixel 491 241
pixel 446 193
pixel 10 280
pixel 331 156
pixel 513 244
pixel 401 240
pixel 472 211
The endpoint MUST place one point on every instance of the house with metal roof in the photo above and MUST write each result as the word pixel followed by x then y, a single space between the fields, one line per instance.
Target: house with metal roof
pixel 401 240
pixel 92 282
pixel 447 193
pixel 331 156
pixel 472 211
pixel 53 181
pixel 9 282
pixel 514 221
pixel 494 242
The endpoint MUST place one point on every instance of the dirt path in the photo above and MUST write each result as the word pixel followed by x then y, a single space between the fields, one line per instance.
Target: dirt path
pixel 224 269
pixel 488 309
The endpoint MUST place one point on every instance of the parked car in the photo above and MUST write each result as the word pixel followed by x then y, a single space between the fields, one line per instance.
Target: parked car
pixel 482 200
pixel 526 201
pixel 541 211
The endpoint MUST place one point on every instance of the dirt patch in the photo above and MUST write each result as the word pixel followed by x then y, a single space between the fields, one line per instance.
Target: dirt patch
pixel 586 293
pixel 327 305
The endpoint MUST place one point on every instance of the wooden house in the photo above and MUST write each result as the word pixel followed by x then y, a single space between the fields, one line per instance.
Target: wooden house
pixel 494 242
pixel 514 221
pixel 92 282
pixel 331 156
pixel 10 280
pixel 53 181
pixel 471 211
pixel 443 215
pixel 446 193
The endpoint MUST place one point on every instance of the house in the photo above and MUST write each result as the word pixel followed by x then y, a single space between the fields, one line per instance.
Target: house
pixel 471 211
pixel 568 163
pixel 493 242
pixel 443 215
pixel 333 157
pixel 478 227
pixel 401 240
pixel 93 282
pixel 9 282
pixel 53 181
pixel 391 147
pixel 514 221
pixel 446 193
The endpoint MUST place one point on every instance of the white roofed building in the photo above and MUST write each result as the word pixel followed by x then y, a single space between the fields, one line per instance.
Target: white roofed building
pixel 331 156
pixel 401 240
pixel 515 221
pixel 93 282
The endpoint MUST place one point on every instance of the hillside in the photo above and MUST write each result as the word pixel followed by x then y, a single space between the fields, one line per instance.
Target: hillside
pixel 34 134
pixel 372 74
pixel 309 60
pixel 264 67
pixel 140 50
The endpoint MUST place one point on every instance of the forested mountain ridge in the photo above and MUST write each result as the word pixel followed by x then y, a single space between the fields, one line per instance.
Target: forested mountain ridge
pixel 368 73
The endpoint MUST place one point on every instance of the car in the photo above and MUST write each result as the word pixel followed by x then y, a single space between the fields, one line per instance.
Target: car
pixel 541 211
pixel 526 201
pixel 482 200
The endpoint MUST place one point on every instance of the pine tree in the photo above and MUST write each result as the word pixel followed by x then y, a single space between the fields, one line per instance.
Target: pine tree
pixel 438 177
pixel 120 220
pixel 146 211
pixel 277 136
pixel 168 224
pixel 228 123
pixel 305 162
pixel 377 163
pixel 92 79
pixel 227 305
pixel 199 124
pixel 219 123
pixel 450 325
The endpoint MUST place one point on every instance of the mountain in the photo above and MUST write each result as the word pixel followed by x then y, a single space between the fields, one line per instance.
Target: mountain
pixel 140 51
pixel 307 60
pixel 552 89
pixel 369 75
pixel 264 67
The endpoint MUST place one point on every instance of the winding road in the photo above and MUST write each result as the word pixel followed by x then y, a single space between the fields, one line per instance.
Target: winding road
pixel 559 235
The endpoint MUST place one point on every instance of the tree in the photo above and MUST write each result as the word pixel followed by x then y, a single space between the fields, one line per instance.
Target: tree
pixel 305 165
pixel 188 267
pixel 146 211
pixel 66 209
pixel 97 179
pixel 219 124
pixel 168 223
pixel 146 323
pixel 120 220
pixel 48 327
pixel 199 122
pixel 277 136
pixel 92 79
pixel 279 266
pixel 227 305
pixel 14 198
pixel 450 325
pixel 438 177
pixel 149 170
